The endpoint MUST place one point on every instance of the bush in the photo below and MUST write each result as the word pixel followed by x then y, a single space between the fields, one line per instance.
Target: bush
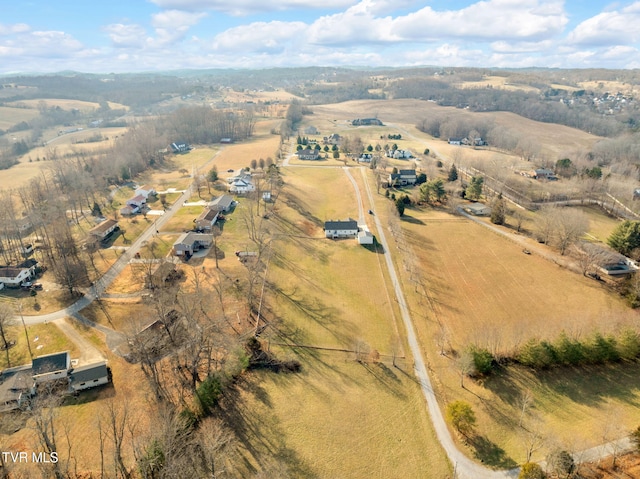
pixel 628 345
pixel 561 463
pixel 568 351
pixel 483 360
pixel 537 354
pixel 531 470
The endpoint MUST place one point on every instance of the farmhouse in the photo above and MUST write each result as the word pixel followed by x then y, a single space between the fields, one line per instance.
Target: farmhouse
pixel 241 187
pixel 88 376
pixel 309 154
pixel 341 229
pixel 399 154
pixel 14 276
pixel 189 243
pixel 222 204
pixel 403 178
pixel 180 147
pixel 207 219
pixel 104 229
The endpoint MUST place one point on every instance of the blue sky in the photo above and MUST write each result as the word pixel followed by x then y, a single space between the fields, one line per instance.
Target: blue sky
pixel 138 35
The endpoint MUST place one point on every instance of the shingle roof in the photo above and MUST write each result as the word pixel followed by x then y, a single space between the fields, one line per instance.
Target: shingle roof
pixel 349 224
pixel 104 226
pixel 221 202
pixel 88 372
pixel 50 363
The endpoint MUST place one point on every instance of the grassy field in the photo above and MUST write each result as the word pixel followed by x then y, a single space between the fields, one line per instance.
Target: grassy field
pixel 44 339
pixel 66 104
pixel 12 116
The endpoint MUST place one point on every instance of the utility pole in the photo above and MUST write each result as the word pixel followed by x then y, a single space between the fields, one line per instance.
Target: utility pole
pixel 25 329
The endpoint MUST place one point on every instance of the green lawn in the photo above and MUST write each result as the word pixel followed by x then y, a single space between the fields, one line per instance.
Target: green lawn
pixel 44 339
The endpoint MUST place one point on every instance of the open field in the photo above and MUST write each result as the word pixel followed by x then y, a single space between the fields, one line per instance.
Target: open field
pixel 66 104
pixel 12 116
pixel 337 418
pixel 555 141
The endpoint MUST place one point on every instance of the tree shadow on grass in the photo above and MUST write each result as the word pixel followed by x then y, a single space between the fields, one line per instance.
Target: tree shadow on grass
pixel 490 453
pixel 411 219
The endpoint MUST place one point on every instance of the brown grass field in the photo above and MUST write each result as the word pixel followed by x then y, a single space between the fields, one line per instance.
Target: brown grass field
pixel 66 104
pixel 12 116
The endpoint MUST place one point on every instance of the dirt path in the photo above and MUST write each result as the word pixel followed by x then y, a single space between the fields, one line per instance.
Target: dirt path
pixel 88 352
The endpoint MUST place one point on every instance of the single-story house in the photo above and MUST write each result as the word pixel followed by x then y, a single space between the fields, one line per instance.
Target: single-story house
pixel 309 154
pixel 14 276
pixel 129 210
pixel 51 367
pixel 207 219
pixel 145 191
pixel 104 229
pixel 455 141
pixel 88 376
pixel 189 243
pixel 403 178
pixel 240 187
pixel 365 237
pixel 137 201
pixel 541 174
pixel 366 122
pixel 222 203
pixel 180 147
pixel 341 228
pixel 365 158
pixel 478 209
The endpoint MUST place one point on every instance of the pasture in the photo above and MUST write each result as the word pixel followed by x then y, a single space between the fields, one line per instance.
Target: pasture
pixel 10 116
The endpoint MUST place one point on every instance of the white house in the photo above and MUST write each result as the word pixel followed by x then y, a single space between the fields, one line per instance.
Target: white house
pixel 341 228
pixel 189 243
pixel 308 154
pixel 207 219
pixel 129 210
pixel 14 276
pixel 399 154
pixel 145 191
pixel 241 187
pixel 137 201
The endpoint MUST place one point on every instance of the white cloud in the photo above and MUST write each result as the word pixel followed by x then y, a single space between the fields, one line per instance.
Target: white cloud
pixel 172 25
pixel 615 27
pixel 260 37
pixel 126 36
pixel 521 47
pixel 15 28
pixel 246 7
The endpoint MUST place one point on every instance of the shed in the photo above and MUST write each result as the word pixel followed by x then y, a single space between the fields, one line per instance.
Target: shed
pixel 365 237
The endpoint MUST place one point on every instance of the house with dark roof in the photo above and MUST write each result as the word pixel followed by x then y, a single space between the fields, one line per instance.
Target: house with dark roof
pixel 180 147
pixel 137 201
pixel 309 154
pixel 403 178
pixel 207 219
pixel 15 387
pixel 341 228
pixel 88 376
pixel 51 367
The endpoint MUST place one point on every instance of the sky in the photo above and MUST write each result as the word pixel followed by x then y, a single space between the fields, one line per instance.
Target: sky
pixel 119 36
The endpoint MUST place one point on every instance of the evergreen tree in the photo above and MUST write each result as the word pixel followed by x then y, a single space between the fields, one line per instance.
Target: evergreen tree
pixel 626 237
pixel 453 173
pixel 474 190
pixel 498 210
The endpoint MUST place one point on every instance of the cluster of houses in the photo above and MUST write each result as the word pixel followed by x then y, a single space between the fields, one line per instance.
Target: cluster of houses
pixel 54 371
pixel 336 229
pixel 138 201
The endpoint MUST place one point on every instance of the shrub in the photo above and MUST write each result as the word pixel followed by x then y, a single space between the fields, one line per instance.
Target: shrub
pixel 628 345
pixel 483 360
pixel 561 463
pixel 531 470
pixel 537 354
pixel 569 351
